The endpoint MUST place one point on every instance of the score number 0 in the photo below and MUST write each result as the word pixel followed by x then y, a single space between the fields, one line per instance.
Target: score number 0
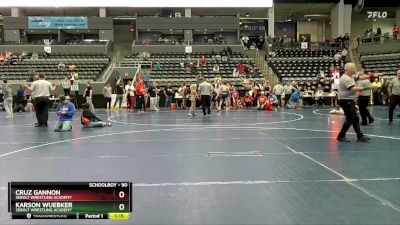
pixel 121 194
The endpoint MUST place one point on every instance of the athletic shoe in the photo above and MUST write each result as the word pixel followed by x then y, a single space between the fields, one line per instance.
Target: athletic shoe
pixel 371 120
pixel 194 114
pixel 190 114
pixel 343 139
pixel 363 139
pixel 108 124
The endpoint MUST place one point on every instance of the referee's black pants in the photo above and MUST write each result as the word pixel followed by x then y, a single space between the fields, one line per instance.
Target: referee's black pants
pixel 364 112
pixel 206 102
pixel 352 119
pixel 42 110
pixel 394 101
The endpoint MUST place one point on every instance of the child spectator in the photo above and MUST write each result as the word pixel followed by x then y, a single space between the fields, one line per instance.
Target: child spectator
pixel 19 103
pixel 29 106
pixel 262 101
pixel 273 100
pixel 90 120
pixel 295 101
pixel 247 100
pixel 235 97
pixel 65 112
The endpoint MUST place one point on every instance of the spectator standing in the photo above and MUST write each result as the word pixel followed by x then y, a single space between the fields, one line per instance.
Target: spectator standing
pixel 8 99
pixel 88 95
pixel 394 93
pixel 107 91
pixel 168 96
pixel 66 86
pixel 139 93
pixel 288 91
pixel 193 97
pixel 131 91
pixel 120 92
pixel 128 94
pixel 153 97
pixel 235 97
pixel 279 92
pixel 245 41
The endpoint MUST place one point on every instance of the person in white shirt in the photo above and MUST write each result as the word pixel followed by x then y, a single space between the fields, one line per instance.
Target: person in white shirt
pixel 41 89
pixel 128 95
pixel 61 66
pixel 344 53
pixel 206 90
pixel 337 56
pixel 245 40
pixel 279 92
pixel 66 85
pixel 107 90
pixel 216 68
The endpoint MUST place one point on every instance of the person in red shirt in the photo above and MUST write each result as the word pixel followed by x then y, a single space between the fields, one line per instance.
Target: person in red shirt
pixel 396 31
pixel 139 90
pixel 247 100
pixel 240 67
pixel 203 60
pixel 262 101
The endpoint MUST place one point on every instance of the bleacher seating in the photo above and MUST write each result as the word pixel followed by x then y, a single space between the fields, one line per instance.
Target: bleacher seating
pixel 302 65
pixel 386 64
pixel 173 74
pixel 88 66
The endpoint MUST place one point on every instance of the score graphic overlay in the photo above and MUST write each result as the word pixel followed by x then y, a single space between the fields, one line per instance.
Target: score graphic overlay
pixel 70 200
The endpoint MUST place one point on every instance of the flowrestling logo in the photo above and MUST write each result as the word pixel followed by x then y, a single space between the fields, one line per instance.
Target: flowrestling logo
pixel 377 15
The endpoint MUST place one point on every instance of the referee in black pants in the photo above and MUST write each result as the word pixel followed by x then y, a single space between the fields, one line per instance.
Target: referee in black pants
pixel 41 89
pixel 347 95
pixel 394 93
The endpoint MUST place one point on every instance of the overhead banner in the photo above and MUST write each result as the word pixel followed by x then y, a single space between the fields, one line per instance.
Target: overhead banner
pixel 57 22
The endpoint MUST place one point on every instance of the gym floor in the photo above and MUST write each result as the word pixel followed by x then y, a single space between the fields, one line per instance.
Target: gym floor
pixel 242 167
